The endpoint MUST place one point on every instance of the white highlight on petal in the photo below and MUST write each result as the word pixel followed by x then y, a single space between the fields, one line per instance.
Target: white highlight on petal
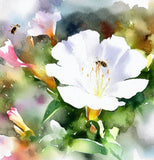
pixel 7 43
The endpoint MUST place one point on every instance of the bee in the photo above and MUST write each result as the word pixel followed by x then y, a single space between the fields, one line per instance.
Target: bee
pixel 102 63
pixel 14 28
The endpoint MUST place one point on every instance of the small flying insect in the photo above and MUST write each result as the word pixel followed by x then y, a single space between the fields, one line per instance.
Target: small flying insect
pixel 14 28
pixel 102 63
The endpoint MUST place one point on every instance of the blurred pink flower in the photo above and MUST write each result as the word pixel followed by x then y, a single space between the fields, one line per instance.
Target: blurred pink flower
pixel 41 99
pixel 43 24
pixel 6 146
pixel 8 54
pixel 13 149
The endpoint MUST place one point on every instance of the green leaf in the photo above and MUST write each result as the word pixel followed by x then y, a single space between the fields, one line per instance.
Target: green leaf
pixel 111 145
pixel 49 152
pixel 87 146
pixel 54 94
pixel 114 149
pixel 51 109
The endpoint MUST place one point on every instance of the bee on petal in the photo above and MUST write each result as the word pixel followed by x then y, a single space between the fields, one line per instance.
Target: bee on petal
pixel 102 63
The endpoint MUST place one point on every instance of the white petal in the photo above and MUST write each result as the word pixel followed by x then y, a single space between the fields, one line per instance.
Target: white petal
pixel 56 130
pixel 78 98
pixel 105 102
pixel 112 49
pixel 130 65
pixel 61 51
pixel 127 89
pixel 74 96
pixel 62 74
pixel 82 45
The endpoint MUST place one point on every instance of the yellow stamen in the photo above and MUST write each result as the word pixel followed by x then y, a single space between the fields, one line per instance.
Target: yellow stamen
pixel 108 71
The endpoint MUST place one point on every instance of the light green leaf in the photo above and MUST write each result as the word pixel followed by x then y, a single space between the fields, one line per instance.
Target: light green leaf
pixel 51 109
pixel 114 132
pixel 112 145
pixel 110 135
pixel 87 146
pixel 114 149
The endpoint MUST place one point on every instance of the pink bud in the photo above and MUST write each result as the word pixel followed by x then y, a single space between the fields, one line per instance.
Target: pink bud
pixel 14 115
pixel 20 127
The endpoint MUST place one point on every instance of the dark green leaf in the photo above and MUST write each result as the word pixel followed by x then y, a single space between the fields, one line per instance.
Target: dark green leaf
pixel 122 118
pixel 51 109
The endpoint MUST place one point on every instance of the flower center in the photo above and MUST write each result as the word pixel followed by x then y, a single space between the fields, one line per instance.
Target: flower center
pixel 98 76
pixel 102 78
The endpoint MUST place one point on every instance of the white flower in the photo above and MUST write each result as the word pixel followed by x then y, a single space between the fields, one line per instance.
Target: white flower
pixel 57 131
pixel 43 23
pixel 96 73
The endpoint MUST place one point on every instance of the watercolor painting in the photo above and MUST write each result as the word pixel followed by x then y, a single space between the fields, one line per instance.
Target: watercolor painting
pixel 77 80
